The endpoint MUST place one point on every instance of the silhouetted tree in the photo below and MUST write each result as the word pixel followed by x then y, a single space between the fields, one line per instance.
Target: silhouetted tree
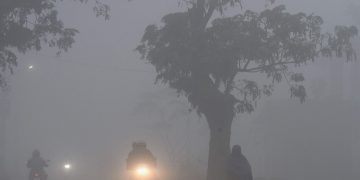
pixel 29 24
pixel 214 65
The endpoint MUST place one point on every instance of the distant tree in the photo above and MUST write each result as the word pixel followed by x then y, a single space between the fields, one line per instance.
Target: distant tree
pixel 29 24
pixel 216 65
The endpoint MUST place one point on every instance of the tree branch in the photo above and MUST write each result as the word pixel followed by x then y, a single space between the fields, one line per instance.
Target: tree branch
pixel 228 84
pixel 287 80
pixel 260 68
pixel 208 14
pixel 246 65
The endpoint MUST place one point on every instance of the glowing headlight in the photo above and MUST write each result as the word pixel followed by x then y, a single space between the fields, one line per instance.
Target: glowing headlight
pixel 142 171
pixel 67 166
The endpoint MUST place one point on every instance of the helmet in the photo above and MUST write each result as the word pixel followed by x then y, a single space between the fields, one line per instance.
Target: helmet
pixel 36 153
pixel 139 144
pixel 236 149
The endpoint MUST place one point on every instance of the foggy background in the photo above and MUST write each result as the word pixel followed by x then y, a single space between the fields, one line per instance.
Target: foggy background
pixel 88 105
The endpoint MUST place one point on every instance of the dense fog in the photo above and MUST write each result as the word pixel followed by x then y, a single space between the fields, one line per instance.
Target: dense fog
pixel 89 104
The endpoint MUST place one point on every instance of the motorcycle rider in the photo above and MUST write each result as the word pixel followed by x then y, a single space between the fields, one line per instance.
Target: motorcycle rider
pixel 238 166
pixel 140 155
pixel 36 164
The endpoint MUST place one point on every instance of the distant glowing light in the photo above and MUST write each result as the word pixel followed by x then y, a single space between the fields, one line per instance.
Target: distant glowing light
pixel 30 67
pixel 67 166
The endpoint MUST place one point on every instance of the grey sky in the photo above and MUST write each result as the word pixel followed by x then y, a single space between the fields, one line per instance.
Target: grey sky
pixel 84 105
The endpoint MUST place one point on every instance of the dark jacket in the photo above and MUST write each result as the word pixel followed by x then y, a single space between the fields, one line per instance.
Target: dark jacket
pixel 239 167
pixel 36 163
pixel 140 156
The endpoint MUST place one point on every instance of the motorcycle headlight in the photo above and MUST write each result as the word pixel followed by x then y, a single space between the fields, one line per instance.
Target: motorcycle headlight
pixel 142 171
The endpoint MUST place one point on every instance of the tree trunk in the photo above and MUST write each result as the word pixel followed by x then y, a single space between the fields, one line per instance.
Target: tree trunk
pixel 218 108
pixel 4 115
pixel 219 150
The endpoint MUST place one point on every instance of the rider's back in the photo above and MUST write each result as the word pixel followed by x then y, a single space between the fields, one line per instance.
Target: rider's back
pixel 138 156
pixel 238 166
pixel 36 163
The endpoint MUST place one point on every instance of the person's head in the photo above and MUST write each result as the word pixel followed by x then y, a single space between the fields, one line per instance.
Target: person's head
pixel 139 145
pixel 36 153
pixel 236 150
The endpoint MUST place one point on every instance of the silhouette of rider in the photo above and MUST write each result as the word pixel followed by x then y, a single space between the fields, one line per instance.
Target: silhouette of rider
pixel 140 155
pixel 238 166
pixel 36 164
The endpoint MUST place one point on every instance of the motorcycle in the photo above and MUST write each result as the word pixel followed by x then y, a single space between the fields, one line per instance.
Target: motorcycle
pixel 37 175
